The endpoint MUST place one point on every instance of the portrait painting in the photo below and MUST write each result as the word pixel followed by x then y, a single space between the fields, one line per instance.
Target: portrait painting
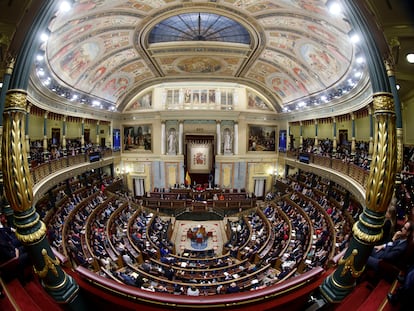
pixel 137 138
pixel 262 138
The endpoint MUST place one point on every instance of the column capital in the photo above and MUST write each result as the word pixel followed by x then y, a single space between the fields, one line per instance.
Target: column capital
pixel 390 66
pixel 10 66
pixel 370 109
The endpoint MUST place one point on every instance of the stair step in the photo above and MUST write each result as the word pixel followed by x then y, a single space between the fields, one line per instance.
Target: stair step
pixel 377 300
pixel 42 298
pixel 356 298
pixel 18 296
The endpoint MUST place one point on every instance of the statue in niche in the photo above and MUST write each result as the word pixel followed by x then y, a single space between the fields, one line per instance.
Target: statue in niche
pixel 228 139
pixel 172 142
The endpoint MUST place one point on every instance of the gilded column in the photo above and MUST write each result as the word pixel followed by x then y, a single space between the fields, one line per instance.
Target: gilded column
pixel 316 144
pixel 368 230
pixel 30 230
pixel 5 206
pixel 300 135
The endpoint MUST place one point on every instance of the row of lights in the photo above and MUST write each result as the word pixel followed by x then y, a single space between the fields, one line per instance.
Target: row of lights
pixel 60 90
pixel 335 9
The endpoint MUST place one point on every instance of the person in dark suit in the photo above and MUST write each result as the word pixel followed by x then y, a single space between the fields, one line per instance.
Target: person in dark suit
pixel 10 247
pixel 391 252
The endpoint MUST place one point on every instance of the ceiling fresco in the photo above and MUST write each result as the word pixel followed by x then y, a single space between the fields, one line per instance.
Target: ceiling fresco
pixel 297 49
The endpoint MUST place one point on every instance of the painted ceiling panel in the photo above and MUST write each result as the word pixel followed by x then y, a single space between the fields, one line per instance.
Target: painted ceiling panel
pixel 296 48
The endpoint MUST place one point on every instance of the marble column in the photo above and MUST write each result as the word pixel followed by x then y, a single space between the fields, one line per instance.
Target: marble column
pixel 371 133
pixel 27 140
pixel 236 138
pixel 45 150
pixel 163 140
pixel 98 138
pixel 218 134
pixel 334 142
pixel 64 150
pixel 353 134
pixel 180 137
pixel 83 136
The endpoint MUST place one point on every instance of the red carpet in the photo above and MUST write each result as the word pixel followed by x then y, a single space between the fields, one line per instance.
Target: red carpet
pixel 377 298
pixel 19 297
pixel 41 297
pixel 31 297
pixel 356 298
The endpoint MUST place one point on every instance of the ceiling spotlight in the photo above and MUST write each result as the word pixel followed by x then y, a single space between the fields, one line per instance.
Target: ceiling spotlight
pixel 334 7
pixel 397 87
pixel 410 58
pixel 65 6
pixel 44 37
pixel 360 60
pixel 353 36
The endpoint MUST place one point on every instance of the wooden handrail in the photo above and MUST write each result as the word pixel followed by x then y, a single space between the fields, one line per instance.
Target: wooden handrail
pixel 285 288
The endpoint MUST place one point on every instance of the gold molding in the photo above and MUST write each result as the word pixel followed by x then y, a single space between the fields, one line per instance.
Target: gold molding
pixel 349 266
pixel 365 237
pixel 32 237
pixel 50 264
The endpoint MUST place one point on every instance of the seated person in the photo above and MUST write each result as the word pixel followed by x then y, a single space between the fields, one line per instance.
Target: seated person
pixel 193 291
pixel 233 288
pixel 404 293
pixel 10 247
pixel 392 251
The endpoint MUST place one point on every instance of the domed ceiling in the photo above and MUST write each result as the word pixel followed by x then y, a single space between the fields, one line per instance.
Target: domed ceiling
pixel 291 51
